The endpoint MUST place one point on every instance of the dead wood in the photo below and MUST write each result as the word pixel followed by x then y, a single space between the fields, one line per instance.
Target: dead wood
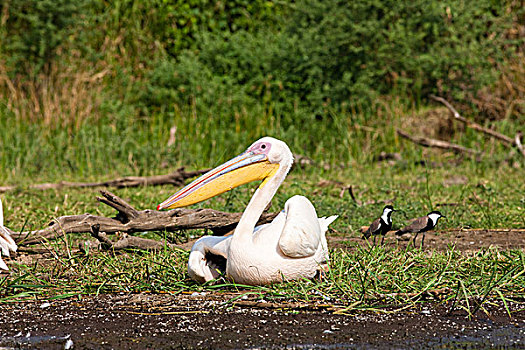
pixel 130 220
pixel 507 141
pixel 126 241
pixel 176 178
pixel 32 250
pixel 428 142
pixel 427 294
pixel 352 195
pixel 277 305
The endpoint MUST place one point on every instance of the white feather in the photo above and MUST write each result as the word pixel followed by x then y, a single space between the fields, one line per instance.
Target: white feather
pixel 7 243
pixel 324 222
pixel 3 266
pixel 292 246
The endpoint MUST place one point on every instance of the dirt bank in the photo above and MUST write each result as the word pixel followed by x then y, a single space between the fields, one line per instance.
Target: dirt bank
pixel 145 321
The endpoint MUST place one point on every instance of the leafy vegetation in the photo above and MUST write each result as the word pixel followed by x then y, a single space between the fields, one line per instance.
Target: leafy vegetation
pixel 90 89
pixel 360 278
pixel 242 58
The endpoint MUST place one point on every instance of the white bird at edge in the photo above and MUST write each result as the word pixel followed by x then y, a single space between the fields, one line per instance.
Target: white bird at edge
pixel 292 246
pixel 7 243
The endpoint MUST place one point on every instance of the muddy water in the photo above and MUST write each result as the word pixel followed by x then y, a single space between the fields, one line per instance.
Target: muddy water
pixel 145 321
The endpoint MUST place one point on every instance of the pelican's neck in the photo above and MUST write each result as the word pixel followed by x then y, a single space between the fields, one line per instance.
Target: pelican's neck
pixel 260 200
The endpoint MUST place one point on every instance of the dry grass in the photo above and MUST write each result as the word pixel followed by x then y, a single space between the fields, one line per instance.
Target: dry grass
pixel 506 99
pixel 65 97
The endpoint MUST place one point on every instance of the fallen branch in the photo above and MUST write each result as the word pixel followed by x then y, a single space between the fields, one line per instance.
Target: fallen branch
pixel 426 294
pixel 277 305
pixel 352 195
pixel 127 242
pixel 176 178
pixel 129 220
pixel 427 142
pixel 507 141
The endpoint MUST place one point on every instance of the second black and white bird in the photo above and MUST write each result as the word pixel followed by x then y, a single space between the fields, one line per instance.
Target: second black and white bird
pixel 381 225
pixel 421 225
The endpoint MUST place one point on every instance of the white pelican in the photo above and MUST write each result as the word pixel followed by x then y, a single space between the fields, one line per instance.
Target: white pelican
pixel 292 246
pixel 7 243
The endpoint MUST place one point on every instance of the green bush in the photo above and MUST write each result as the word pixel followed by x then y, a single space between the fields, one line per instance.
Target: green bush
pixel 228 57
pixel 148 27
pixel 333 54
pixel 34 29
pixel 346 51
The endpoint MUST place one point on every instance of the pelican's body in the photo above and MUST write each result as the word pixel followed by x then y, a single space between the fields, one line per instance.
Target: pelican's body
pixel 292 246
pixel 7 244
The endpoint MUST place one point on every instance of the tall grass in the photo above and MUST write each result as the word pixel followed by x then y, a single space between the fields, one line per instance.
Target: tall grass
pixel 64 97
pixel 109 140
pixel 108 143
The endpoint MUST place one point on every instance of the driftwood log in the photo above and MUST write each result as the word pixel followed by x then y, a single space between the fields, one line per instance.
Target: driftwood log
pixel 130 220
pixel 126 241
pixel 177 178
pixel 428 142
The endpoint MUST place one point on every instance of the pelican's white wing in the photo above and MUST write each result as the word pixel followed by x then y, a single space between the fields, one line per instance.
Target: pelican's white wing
pixel 7 243
pixel 217 245
pixel 302 233
pixel 202 266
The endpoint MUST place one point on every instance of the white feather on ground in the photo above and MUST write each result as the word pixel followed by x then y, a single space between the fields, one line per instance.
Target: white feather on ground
pixel 7 243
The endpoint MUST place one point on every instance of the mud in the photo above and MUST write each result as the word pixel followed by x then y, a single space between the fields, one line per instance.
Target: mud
pixel 463 240
pixel 164 321
pixel 212 320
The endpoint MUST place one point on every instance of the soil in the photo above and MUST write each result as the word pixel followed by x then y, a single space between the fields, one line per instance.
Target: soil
pixel 212 320
pixel 464 240
pixel 163 321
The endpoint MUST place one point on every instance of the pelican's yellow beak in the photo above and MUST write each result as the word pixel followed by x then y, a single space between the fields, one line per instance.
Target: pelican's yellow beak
pixel 244 168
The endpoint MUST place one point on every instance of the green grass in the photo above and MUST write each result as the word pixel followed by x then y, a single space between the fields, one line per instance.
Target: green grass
pixel 490 194
pixel 359 278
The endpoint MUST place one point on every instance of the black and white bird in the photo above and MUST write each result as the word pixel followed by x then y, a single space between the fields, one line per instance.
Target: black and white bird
pixel 421 225
pixel 381 225
pixel 7 243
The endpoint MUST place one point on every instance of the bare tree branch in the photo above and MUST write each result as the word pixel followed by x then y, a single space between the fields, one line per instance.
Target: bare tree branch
pixel 507 141
pixel 130 220
pixel 127 242
pixel 176 178
pixel 428 142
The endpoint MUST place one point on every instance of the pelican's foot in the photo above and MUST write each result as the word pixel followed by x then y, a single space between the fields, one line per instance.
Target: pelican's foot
pixel 320 275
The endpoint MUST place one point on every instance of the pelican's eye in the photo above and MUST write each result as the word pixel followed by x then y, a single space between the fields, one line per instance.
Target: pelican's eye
pixel 261 148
